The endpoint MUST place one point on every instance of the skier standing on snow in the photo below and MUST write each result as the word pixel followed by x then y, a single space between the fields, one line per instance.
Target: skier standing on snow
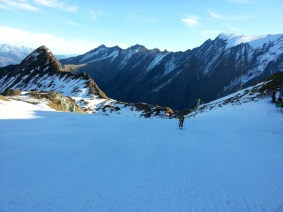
pixel 181 121
pixel 274 97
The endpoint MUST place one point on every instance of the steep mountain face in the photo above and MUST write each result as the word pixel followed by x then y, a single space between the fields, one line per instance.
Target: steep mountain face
pixel 12 54
pixel 41 71
pixel 177 79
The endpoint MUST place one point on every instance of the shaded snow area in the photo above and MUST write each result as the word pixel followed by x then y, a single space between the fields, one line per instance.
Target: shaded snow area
pixel 101 54
pixel 156 61
pixel 227 159
pixel 170 66
pixel 162 85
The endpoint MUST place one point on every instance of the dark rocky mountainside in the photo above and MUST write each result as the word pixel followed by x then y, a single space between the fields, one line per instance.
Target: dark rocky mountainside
pixel 177 79
pixel 42 71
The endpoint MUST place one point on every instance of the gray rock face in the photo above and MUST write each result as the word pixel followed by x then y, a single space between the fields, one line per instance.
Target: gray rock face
pixel 178 79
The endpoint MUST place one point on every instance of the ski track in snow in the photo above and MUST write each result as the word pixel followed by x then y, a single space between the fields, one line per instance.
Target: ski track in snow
pixel 227 159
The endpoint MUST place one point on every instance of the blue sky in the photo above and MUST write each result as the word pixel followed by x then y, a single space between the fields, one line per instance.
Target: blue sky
pixel 77 26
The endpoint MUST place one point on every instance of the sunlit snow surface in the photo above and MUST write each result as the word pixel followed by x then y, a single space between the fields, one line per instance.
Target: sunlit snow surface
pixel 226 159
pixel 254 41
pixel 20 110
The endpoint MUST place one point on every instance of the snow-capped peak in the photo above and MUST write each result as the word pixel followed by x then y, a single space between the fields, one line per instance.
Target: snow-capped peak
pixel 137 47
pixel 253 40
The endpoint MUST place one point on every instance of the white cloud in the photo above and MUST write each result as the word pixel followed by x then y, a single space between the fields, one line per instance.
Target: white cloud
pixel 56 44
pixel 26 5
pixel 18 4
pixel 214 15
pixel 57 5
pixel 4 7
pixel 191 21
pixel 47 3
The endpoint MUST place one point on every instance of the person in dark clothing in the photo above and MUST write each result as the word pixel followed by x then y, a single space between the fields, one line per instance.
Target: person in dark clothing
pixel 181 121
pixel 274 97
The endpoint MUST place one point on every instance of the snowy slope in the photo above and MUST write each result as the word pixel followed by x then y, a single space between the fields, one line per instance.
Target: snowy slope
pixel 253 40
pixel 21 110
pixel 228 159
pixel 66 85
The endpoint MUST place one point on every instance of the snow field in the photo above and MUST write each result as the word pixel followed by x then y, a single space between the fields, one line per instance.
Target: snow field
pixel 20 110
pixel 227 159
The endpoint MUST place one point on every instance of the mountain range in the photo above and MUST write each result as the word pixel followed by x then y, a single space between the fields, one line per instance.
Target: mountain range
pixel 137 74
pixel 42 72
pixel 10 54
pixel 178 79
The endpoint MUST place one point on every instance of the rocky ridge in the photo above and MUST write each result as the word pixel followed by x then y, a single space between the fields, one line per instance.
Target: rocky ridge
pixel 41 75
pixel 178 79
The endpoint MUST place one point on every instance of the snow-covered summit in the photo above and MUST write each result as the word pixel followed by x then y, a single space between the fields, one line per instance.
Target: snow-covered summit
pixel 254 40
pixel 138 47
